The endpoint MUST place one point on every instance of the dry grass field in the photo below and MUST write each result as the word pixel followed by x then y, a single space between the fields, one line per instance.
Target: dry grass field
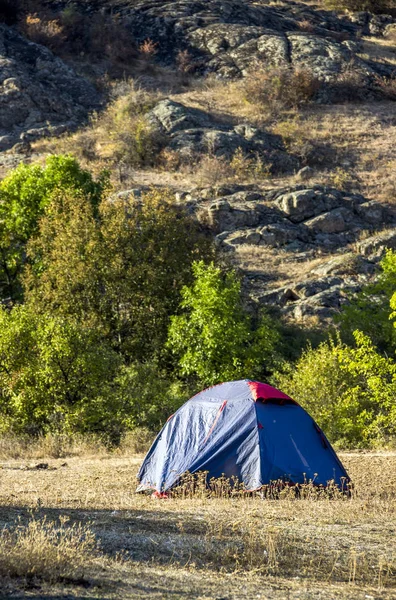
pixel 73 528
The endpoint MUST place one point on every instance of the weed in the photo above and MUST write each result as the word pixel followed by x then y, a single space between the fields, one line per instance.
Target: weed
pixel 387 87
pixel 121 134
pixel 342 179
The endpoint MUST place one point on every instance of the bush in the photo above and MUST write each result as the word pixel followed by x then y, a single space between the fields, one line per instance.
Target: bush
pixel 387 87
pixel 72 31
pixel 214 339
pixel 369 310
pixel 281 88
pixel 148 396
pixel 55 376
pixel 133 141
pixel 122 273
pixel 350 391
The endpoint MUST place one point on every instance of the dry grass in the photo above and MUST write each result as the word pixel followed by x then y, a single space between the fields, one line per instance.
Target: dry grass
pixel 120 135
pixel 278 89
pixel 204 547
pixel 48 551
pixel 281 266
pixel 64 446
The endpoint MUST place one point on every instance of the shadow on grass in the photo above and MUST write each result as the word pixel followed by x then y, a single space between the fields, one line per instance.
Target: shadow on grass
pixel 141 536
pixel 143 539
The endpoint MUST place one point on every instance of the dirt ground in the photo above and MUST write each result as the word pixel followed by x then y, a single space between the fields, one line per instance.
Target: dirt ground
pixel 208 548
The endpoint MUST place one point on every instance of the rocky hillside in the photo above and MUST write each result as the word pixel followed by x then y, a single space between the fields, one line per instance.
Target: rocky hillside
pixel 231 37
pixel 304 239
pixel 39 94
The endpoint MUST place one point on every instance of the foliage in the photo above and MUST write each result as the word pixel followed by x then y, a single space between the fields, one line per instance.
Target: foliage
pixel 121 273
pixel 54 375
pixel 72 31
pixel 24 196
pixel 350 391
pixel 148 395
pixel 133 141
pixel 214 339
pixel 369 310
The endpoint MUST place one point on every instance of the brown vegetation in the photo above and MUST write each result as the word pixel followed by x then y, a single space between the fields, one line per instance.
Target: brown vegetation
pixel 281 88
pixel 44 550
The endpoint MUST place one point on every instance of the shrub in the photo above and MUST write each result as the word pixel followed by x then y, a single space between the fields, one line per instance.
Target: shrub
pixel 387 87
pixel 369 310
pixel 132 140
pixel 148 396
pixel 72 31
pixel 281 88
pixel 55 375
pixel 349 390
pixel 214 338
pixel 348 86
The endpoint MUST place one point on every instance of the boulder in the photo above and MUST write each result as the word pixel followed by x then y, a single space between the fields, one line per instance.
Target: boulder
pixel 326 58
pixel 246 236
pixel 377 244
pixel 371 212
pixel 301 204
pixel 349 263
pixel 281 234
pixel 334 221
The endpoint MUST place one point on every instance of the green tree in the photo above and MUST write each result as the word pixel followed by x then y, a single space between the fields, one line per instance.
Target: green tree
pixel 148 395
pixel 369 311
pixel 214 339
pixel 55 375
pixel 120 272
pixel 24 195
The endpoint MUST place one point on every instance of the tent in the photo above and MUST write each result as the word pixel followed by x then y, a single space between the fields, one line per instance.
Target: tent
pixel 245 429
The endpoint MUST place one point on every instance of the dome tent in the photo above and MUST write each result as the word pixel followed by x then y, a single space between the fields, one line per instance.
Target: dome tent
pixel 242 429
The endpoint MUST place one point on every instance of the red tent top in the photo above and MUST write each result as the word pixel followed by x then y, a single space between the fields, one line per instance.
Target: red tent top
pixel 267 392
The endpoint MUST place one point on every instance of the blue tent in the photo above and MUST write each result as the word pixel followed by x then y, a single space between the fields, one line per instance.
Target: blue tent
pixel 245 429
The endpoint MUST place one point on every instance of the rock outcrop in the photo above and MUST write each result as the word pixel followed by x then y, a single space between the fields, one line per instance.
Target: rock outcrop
pixel 231 37
pixel 300 224
pixel 39 94
pixel 192 134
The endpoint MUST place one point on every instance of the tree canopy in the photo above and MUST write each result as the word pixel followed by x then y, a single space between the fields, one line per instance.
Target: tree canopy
pixel 214 338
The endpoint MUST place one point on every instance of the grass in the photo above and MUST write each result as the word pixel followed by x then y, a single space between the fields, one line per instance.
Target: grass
pixel 45 550
pixel 63 446
pixel 197 547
